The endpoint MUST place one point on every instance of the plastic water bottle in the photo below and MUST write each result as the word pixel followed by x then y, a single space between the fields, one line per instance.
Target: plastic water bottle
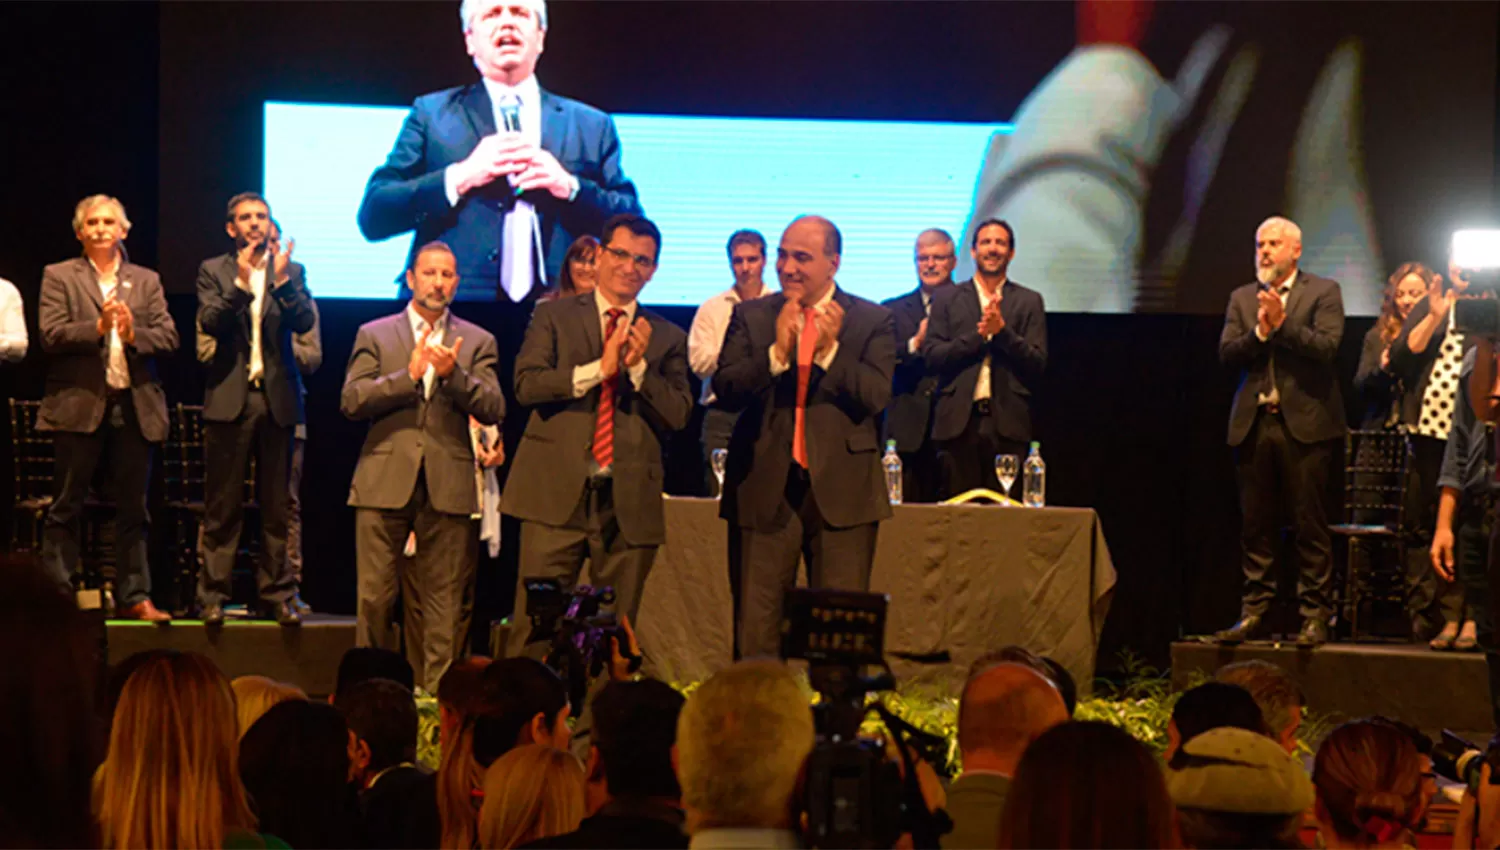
pixel 1034 488
pixel 892 464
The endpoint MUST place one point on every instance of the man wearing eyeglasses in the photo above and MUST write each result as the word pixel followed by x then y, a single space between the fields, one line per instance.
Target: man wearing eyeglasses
pixel 908 419
pixel 504 171
pixel 607 383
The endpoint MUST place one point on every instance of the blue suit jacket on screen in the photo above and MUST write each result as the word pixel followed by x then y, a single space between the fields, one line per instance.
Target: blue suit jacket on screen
pixel 407 193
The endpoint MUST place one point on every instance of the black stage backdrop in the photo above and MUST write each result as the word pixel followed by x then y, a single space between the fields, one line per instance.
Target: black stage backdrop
pixel 160 104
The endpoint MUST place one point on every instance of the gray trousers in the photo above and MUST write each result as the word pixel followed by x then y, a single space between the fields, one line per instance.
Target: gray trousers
pixel 436 587
pixel 558 552
pixel 766 562
pixel 294 514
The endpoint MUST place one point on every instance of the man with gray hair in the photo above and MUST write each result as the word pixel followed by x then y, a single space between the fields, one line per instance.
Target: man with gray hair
pixel 741 742
pixel 480 167
pixel 908 420
pixel 1282 331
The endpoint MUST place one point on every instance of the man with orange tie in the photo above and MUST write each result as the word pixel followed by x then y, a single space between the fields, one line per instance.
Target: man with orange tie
pixel 607 383
pixel 810 369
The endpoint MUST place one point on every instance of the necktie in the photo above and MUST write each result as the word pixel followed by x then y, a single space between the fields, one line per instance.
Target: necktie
pixel 604 425
pixel 807 342
pixel 520 225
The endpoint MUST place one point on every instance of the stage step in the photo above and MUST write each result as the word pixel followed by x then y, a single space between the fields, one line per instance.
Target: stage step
pixel 306 656
pixel 1430 690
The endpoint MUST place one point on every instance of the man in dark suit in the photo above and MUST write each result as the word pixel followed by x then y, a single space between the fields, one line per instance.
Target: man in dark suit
pixel 101 319
pixel 909 419
pixel 1283 331
pixel 505 172
pixel 987 343
pixel 413 378
pixel 250 300
pixel 810 370
pixel 607 383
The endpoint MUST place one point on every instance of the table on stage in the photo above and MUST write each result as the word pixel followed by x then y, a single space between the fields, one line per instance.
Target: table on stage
pixel 965 578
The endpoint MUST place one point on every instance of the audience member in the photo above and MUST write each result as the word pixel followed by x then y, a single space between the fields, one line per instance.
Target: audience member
pixel 1064 682
pixel 577 275
pixel 47 726
pixel 1211 705
pixel 1235 788
pixel 1004 707
pixel 531 792
pixel 1088 785
pixel 398 799
pixel 741 741
pixel 632 796
pixel 1275 691
pixel 369 662
pixel 171 778
pixel 1368 782
pixel 458 692
pixel 1424 758
pixel 255 695
pixel 121 672
pixel 1057 674
pixel 294 762
pixel 520 701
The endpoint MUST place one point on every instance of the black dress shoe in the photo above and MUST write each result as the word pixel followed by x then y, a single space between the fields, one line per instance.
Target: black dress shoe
pixel 213 615
pixel 287 615
pixel 1314 634
pixel 1248 628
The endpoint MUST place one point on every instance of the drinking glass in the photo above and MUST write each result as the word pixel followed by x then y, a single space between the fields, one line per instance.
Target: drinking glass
pixel 718 459
pixel 1006 467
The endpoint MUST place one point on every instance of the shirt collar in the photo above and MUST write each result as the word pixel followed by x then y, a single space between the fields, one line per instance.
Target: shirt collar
pixel 1286 284
pixel 984 296
pixel 119 266
pixel 604 307
pixel 827 297
pixel 439 328
pixel 528 91
pixel 732 294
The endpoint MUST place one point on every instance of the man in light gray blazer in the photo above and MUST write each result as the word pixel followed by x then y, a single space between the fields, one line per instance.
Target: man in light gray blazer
pixel 607 382
pixel 101 319
pixel 418 377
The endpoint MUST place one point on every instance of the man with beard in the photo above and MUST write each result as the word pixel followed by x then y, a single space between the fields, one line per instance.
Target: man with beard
pixel 808 369
pixel 1283 331
pixel 250 301
pixel 417 382
pixel 987 343
pixel 908 421
pixel 506 172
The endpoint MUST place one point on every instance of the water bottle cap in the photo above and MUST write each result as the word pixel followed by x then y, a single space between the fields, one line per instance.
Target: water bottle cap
pixel 1036 445
pixel 890 445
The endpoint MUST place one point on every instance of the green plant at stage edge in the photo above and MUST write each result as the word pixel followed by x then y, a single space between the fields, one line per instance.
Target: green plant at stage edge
pixel 1140 703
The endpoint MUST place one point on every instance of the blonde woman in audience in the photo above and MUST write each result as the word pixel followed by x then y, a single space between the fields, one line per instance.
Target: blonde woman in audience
pixel 171 778
pixel 254 696
pixel 1368 779
pixel 530 793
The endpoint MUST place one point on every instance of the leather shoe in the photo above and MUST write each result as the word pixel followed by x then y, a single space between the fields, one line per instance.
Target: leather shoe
pixel 287 615
pixel 1248 628
pixel 213 615
pixel 145 610
pixel 1314 634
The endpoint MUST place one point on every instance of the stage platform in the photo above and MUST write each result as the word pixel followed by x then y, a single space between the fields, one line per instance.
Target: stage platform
pixel 306 656
pixel 1430 690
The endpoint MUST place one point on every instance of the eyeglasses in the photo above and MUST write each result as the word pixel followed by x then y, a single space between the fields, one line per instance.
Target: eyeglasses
pixel 934 258
pixel 643 263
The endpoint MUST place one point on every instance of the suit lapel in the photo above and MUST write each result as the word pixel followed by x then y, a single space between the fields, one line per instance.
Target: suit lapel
pixel 88 281
pixel 587 311
pixel 1295 298
pixel 404 337
pixel 554 125
pixel 479 112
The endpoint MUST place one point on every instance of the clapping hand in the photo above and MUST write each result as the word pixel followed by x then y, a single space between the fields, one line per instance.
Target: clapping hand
pixel 788 323
pixel 920 336
pixel 620 664
pixel 830 321
pixel 1271 313
pixel 992 322
pixel 280 260
pixel 419 357
pixel 635 345
pixel 443 358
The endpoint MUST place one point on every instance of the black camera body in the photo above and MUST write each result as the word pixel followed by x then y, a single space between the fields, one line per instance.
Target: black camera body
pixel 577 629
pixel 1477 310
pixel 1459 760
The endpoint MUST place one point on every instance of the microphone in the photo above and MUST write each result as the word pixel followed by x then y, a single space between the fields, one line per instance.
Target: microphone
pixel 510 115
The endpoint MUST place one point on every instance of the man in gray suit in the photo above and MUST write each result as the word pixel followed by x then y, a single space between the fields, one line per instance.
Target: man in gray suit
pixel 607 382
pixel 415 380
pixel 101 319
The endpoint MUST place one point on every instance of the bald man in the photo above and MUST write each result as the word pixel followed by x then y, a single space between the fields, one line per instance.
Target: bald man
pixel 1282 331
pixel 909 419
pixel 1003 709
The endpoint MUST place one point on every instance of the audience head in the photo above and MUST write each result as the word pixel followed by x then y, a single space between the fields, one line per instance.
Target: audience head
pixel 1004 708
pixel 1054 672
pixel 1066 686
pixel 1211 705
pixel 47 722
pixel 530 793
pixel 635 733
pixel 171 778
pixel 255 695
pixel 1086 784
pixel 630 247
pixel 1368 780
pixel 807 260
pixel 1275 691
pixel 433 282
pixel 1407 286
pixel 741 741
pixel 1278 247
pixel 100 223
pixel 747 258
pixel 993 247
pixel 936 257
pixel 1237 788
pixel 578 267
pixel 294 762
pixel 363 663
pixel 382 719
pixel 458 693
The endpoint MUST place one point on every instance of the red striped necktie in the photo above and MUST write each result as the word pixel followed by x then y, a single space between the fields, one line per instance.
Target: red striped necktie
pixel 604 426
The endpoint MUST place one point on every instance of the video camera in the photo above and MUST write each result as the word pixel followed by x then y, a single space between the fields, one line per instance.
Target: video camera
pixel 855 795
pixel 1460 760
pixel 1475 257
pixel 579 634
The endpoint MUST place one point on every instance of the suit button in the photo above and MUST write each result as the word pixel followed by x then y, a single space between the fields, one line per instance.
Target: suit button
pixel 494 256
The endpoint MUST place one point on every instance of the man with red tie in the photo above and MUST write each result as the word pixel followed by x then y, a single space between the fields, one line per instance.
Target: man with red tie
pixel 810 369
pixel 607 383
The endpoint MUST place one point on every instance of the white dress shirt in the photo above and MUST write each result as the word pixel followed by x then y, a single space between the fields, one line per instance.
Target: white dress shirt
pixel 116 371
pixel 591 375
pixel 439 335
pixel 257 289
pixel 982 386
pixel 824 360
pixel 12 323
pixel 1283 290
pixel 706 338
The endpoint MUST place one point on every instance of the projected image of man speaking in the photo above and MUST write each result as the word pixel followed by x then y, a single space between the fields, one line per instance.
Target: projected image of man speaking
pixel 504 172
